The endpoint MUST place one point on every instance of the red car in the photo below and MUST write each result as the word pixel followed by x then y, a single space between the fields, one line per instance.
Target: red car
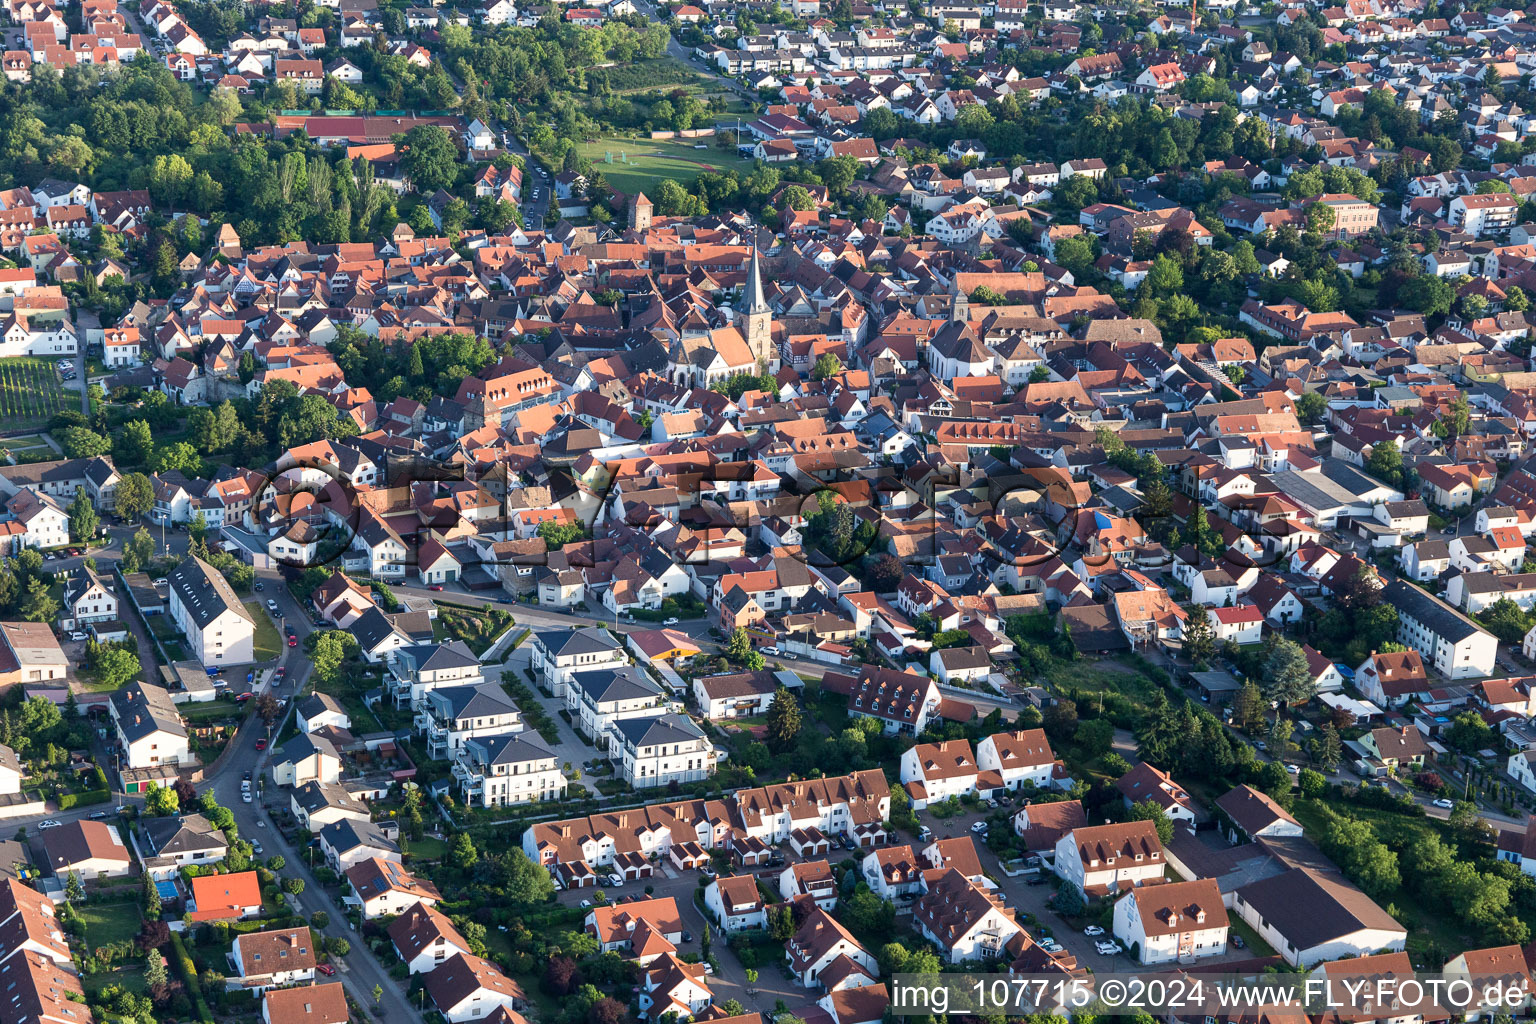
pixel 242 698
pixel 325 969
pixel 436 586
pixel 293 641
pixel 281 673
pixel 261 744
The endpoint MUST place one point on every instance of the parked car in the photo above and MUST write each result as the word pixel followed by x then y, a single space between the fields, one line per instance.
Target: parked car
pixel 261 744
pixel 1107 948
pixel 1237 940
pixel 1093 930
pixel 436 586
pixel 272 606
pixel 924 834
pixel 162 582
pixel 76 635
pixel 979 828
pixel 100 816
pixel 670 622
pixel 1445 804
pixel 258 586
pixel 325 969
pixel 50 823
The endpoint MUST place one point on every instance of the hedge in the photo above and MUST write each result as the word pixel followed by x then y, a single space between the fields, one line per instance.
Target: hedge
pixel 188 972
pixel 90 796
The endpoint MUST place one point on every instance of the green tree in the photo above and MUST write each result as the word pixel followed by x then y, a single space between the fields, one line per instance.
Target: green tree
pixel 135 442
pixel 429 158
pixel 74 889
pixel 1287 676
pixel 463 854
pixel 783 719
pixel 154 970
pixel 151 899
pixel 1199 636
pixel 1312 784
pixel 83 519
pixel 115 667
pixel 134 497
pixel 1428 294
pixel 160 801
pixel 1248 706
pixel 1311 406
pixel 1147 810
pixel 827 365
pixel 80 443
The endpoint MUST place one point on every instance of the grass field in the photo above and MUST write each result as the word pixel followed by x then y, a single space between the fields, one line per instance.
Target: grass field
pixel 31 442
pixel 269 642
pixel 110 922
pixel 651 162
pixel 30 394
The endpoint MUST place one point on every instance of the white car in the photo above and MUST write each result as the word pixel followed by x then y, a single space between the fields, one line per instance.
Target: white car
pixel 162 582
pixel 1445 804
pixel 1107 948
pixel 670 622
pixel 1050 945
pixel 1293 769
pixel 979 828
pixel 1093 930
pixel 271 606
pixel 586 904
pixel 50 823
pixel 245 795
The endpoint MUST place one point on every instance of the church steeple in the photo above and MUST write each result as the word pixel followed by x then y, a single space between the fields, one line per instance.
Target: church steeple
pixel 755 316
pixel 754 301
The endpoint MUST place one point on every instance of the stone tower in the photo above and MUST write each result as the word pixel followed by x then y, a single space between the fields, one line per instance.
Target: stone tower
pixel 640 212
pixel 960 308
pixel 754 318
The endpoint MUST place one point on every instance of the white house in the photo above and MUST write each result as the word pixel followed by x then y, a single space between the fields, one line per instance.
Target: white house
pixel 263 960
pixel 1451 644
pixel 469 988
pixel 205 607
pixel 1177 922
pixel 662 750
pixel 821 940
pixel 149 728
pixel 555 654
pixel 933 772
pixel 508 768
pixel 1103 859
pixel 1019 758
pixel 384 888
pixel 965 920
pixel 1309 917
pixel 735 903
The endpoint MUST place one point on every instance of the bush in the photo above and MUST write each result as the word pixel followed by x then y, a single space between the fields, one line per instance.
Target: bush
pixel 92 796
pixel 187 970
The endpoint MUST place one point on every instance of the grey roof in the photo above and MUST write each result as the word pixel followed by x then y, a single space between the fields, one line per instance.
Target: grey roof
pixel 437 657
pixel 204 592
pixel 83 581
pixel 186 834
pixel 559 642
pixel 470 701
pixel 302 746
pixel 372 628
pixel 611 684
pixel 317 704
pixel 507 748
pixel 1429 611
pixel 317 796
pixel 1311 909
pixel 1350 479
pixel 649 732
pixel 142 709
pixel 754 300
pixel 349 833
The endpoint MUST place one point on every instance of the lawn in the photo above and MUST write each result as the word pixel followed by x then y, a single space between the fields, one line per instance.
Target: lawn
pixel 210 711
pixel 30 393
pixel 648 162
pixel 269 642
pixel 28 443
pixel 476 628
pixel 425 848
pixel 107 923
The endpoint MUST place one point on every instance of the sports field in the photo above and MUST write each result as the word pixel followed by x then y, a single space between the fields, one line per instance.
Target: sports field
pixel 651 162
pixel 30 393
